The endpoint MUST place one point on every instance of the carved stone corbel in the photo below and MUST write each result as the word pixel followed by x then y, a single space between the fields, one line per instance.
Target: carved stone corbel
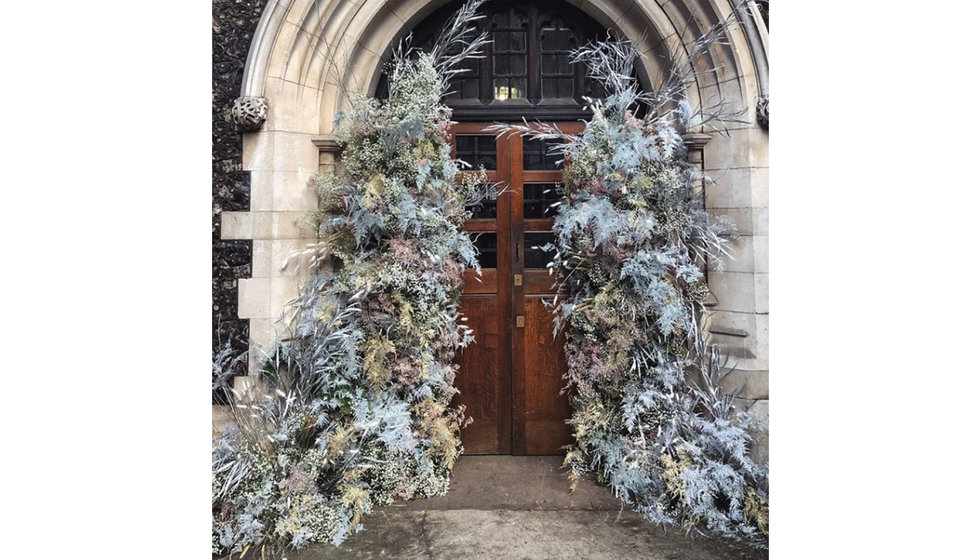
pixel 762 111
pixel 250 112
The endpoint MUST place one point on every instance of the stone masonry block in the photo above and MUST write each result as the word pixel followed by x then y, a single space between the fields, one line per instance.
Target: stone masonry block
pixel 379 40
pixel 292 107
pixel 762 340
pixel 262 258
pixel 748 385
pixel 760 221
pixel 284 257
pixel 727 151
pixel 758 147
pixel 747 147
pixel 363 63
pixel 760 187
pixel 292 192
pixel 257 151
pixel 735 291
pixel 761 292
pixel 283 289
pixel 760 410
pixel 281 52
pixel 236 225
pixel 260 191
pixel 294 152
pixel 760 248
pixel 285 225
pixel 253 298
pixel 262 335
pixel 262 225
pixel 726 327
pixel 409 11
pixel 297 69
pixel 742 217
pixel 742 256
pixel 730 188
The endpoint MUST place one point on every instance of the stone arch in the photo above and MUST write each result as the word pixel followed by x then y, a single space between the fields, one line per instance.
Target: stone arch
pixel 307 55
pixel 332 47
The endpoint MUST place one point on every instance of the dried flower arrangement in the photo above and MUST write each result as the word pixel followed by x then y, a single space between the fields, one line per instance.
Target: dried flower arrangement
pixel 650 418
pixel 353 409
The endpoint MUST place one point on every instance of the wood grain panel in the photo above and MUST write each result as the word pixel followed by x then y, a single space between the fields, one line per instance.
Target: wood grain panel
pixel 479 379
pixel 484 284
pixel 545 409
pixel 538 281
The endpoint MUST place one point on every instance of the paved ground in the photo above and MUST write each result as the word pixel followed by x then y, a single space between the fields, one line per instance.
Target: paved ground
pixel 516 508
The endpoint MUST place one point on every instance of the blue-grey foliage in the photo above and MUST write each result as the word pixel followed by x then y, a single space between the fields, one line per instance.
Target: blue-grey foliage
pixel 352 407
pixel 633 239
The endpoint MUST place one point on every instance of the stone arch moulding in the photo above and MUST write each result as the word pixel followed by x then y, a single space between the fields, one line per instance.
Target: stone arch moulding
pixel 338 46
pixel 307 55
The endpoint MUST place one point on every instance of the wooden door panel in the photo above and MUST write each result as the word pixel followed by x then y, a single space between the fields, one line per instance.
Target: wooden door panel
pixel 539 281
pixel 481 386
pixel 484 283
pixel 545 409
pixel 510 378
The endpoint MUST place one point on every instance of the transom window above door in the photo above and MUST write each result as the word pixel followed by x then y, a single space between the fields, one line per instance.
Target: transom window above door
pixel 525 71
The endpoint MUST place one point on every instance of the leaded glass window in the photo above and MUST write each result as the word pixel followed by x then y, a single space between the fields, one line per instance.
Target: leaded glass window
pixel 526 70
pixel 509 58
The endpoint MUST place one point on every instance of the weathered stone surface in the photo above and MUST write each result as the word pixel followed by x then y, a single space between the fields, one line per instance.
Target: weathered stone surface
pixel 735 290
pixel 503 507
pixel 491 482
pixel 760 451
pixel 233 23
pixel 760 410
pixel 747 384
pixel 524 535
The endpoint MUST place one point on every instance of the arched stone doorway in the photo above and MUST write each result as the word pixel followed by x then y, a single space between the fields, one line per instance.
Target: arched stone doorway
pixel 511 378
pixel 308 56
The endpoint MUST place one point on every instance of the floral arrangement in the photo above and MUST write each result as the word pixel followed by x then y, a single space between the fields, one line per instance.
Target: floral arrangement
pixel 650 418
pixel 353 410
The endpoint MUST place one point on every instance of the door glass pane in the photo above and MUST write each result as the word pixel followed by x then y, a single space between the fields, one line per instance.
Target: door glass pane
pixel 534 257
pixel 537 156
pixel 539 199
pixel 486 209
pixel 486 244
pixel 477 150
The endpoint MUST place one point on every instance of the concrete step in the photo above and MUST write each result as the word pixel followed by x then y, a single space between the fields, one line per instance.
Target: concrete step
pixel 516 508
pixel 523 535
pixel 491 482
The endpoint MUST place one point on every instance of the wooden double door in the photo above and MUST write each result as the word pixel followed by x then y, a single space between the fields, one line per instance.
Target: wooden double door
pixel 511 377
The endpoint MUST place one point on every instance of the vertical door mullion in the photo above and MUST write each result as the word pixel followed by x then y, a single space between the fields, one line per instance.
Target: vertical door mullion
pixel 505 399
pixel 516 169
